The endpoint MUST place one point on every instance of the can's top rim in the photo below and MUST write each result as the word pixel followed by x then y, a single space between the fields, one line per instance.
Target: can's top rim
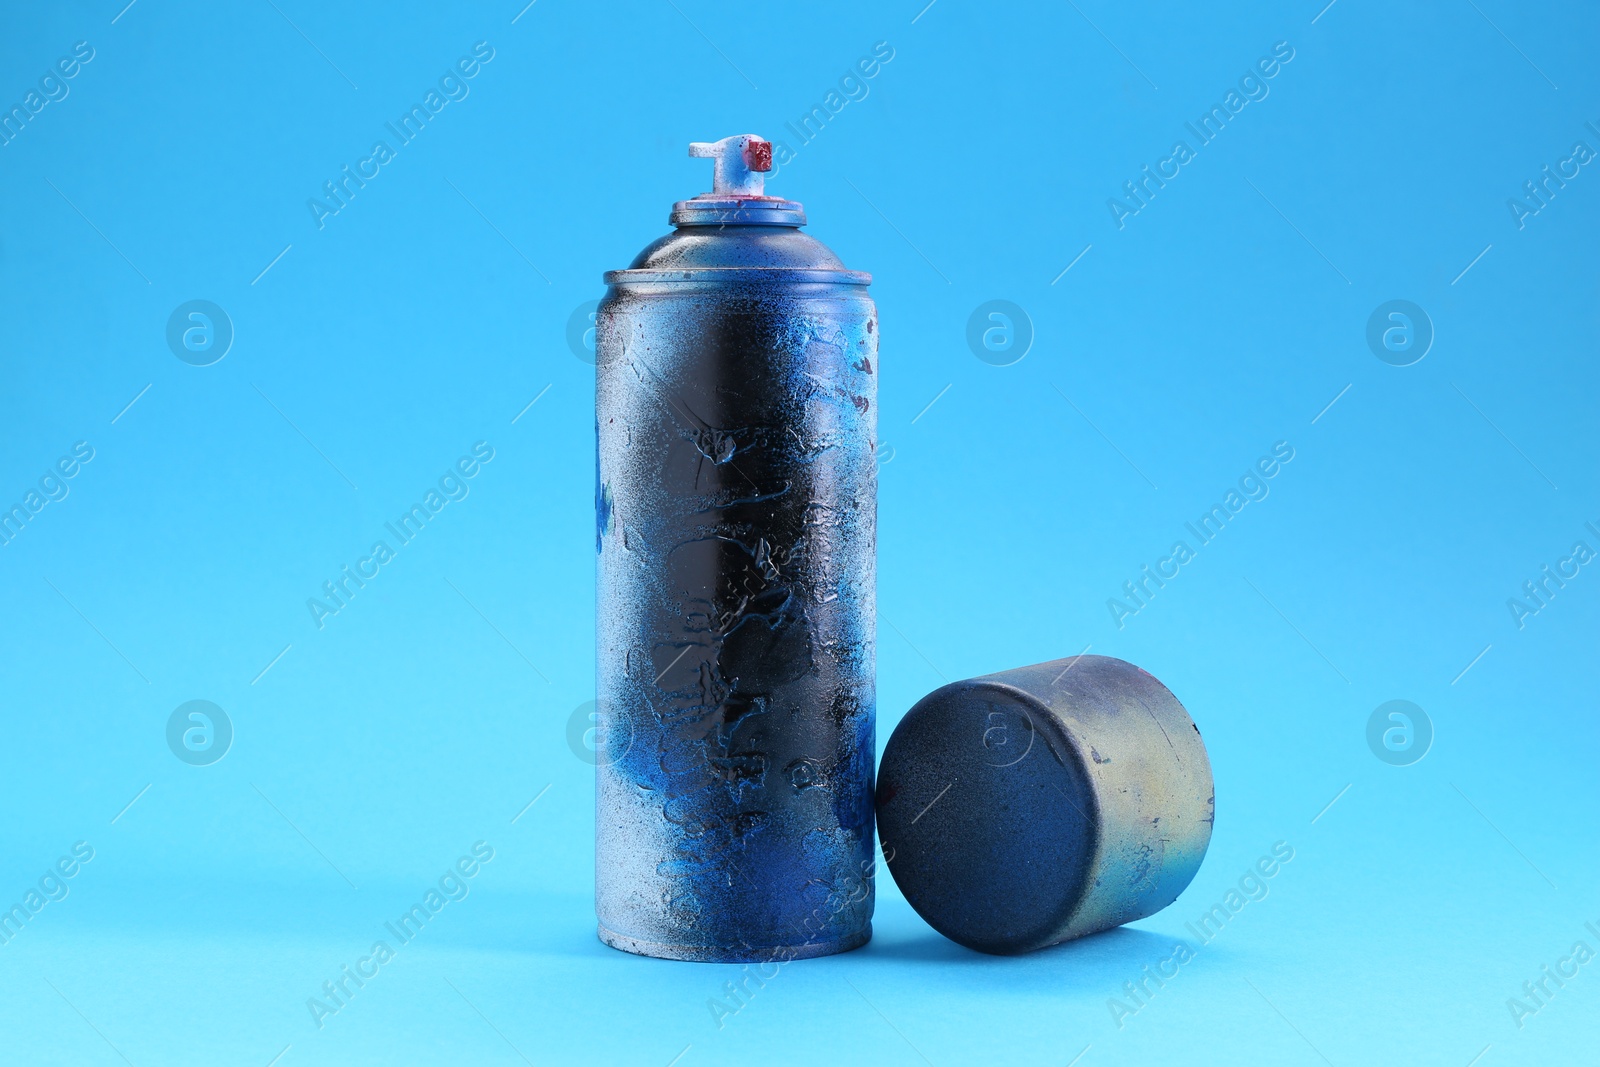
pixel 710 209
pixel 724 275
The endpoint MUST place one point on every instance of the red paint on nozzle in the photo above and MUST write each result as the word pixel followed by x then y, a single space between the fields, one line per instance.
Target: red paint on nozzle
pixel 759 156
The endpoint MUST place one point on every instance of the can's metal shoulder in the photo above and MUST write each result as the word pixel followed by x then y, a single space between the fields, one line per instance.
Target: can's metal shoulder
pixel 755 275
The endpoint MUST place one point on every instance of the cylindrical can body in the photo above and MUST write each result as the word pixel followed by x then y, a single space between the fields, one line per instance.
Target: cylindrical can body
pixel 736 508
pixel 1036 805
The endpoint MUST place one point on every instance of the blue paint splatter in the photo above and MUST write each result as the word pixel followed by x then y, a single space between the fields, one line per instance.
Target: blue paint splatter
pixel 603 506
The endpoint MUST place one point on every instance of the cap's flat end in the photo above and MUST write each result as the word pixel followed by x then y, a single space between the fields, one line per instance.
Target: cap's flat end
pixel 1029 807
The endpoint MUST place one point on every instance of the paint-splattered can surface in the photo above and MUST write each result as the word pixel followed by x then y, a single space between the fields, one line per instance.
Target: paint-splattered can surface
pixel 736 409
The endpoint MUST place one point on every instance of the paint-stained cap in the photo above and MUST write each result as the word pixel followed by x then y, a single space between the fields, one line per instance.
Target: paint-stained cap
pixel 1026 808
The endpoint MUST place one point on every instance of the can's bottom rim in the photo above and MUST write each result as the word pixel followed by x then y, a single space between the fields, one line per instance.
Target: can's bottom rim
pixel 734 953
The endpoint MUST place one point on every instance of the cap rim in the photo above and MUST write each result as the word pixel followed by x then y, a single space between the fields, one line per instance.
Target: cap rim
pixel 712 210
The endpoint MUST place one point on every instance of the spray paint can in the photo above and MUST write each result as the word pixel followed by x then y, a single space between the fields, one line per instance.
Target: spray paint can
pixel 736 506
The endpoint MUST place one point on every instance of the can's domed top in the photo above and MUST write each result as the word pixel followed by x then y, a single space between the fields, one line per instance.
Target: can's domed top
pixel 736 234
pixel 737 196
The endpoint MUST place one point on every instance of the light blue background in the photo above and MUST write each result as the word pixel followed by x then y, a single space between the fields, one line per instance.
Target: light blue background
pixel 426 315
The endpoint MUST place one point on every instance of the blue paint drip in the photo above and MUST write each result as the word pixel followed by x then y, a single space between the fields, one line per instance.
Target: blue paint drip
pixel 603 505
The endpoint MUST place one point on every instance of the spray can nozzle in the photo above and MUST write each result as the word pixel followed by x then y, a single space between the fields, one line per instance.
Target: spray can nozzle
pixel 741 163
